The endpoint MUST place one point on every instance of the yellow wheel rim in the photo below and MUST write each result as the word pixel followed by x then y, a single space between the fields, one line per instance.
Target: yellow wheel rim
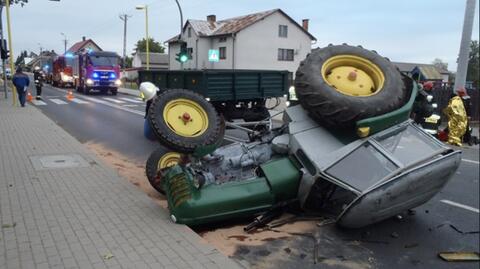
pixel 168 160
pixel 353 75
pixel 185 117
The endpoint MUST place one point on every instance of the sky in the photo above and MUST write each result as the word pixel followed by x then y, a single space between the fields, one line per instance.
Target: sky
pixel 407 31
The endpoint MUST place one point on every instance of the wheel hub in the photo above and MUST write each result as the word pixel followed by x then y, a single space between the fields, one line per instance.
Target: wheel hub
pixel 353 75
pixel 179 115
pixel 168 160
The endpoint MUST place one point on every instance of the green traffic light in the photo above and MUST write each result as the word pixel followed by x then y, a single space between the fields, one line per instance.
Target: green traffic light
pixel 183 58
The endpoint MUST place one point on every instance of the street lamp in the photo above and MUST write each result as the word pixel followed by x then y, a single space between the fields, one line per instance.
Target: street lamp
pixel 145 7
pixel 64 42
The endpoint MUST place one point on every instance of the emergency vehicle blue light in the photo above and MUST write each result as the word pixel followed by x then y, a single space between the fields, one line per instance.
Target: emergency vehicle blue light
pixel 112 75
pixel 95 75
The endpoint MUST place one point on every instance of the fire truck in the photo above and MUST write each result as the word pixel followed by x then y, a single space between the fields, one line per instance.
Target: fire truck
pixel 97 71
pixel 62 74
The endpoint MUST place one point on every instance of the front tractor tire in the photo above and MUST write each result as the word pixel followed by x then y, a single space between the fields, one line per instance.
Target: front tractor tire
pixel 183 120
pixel 340 85
pixel 159 159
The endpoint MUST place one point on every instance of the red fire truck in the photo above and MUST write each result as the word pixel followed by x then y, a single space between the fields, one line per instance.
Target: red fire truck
pixel 97 71
pixel 62 73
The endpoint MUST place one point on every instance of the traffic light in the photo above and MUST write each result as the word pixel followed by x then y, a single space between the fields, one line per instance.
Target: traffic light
pixel 4 53
pixel 182 56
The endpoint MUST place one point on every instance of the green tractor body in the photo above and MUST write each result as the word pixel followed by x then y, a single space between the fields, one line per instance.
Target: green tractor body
pixel 191 205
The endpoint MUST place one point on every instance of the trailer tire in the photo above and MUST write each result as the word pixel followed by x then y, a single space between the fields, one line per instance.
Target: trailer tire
pixel 159 159
pixel 183 120
pixel 338 100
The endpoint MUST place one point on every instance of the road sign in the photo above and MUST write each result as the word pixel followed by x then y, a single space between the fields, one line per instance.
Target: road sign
pixel 213 55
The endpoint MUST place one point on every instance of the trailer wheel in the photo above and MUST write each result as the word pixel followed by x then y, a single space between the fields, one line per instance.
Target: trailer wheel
pixel 183 120
pixel 159 159
pixel 340 85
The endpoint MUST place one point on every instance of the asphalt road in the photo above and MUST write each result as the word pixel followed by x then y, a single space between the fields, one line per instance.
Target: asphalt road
pixel 449 222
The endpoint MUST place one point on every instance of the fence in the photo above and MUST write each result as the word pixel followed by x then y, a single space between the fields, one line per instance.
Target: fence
pixel 443 95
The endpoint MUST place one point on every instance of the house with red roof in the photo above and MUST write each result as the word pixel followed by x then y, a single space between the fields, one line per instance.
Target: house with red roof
pixel 85 44
pixel 265 40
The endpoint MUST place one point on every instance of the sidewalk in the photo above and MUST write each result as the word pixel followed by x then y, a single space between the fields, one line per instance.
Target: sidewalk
pixel 60 207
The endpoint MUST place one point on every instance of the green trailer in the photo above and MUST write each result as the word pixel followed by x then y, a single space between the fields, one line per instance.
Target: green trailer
pixel 223 86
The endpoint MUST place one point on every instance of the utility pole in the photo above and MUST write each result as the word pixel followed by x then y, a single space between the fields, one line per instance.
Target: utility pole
pixel 10 47
pixel 3 60
pixel 462 66
pixel 64 42
pixel 124 18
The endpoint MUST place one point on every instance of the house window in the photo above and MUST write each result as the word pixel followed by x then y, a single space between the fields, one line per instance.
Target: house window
pixel 222 39
pixel 283 31
pixel 189 32
pixel 285 54
pixel 190 53
pixel 223 53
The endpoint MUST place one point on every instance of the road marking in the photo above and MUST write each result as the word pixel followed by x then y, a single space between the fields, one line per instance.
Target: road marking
pixel 470 161
pixel 114 100
pixel 473 209
pixel 58 101
pixel 129 105
pixel 39 103
pixel 140 113
pixel 115 106
pixel 79 101
pixel 130 100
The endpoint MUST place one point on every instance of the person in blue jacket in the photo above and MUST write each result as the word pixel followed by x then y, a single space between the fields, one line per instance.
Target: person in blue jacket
pixel 21 81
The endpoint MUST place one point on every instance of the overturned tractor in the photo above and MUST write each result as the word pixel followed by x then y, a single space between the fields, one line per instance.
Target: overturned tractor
pixel 349 148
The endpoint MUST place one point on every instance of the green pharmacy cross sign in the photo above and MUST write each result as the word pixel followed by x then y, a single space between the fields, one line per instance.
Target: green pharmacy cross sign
pixel 213 55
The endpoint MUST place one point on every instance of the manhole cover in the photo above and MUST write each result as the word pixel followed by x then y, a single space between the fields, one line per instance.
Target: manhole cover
pixel 58 161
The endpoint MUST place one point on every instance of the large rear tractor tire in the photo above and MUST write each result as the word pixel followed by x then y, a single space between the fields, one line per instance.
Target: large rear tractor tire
pixel 340 85
pixel 159 159
pixel 183 120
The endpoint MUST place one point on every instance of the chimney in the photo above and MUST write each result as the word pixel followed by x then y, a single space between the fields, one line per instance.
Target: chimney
pixel 305 24
pixel 211 18
pixel 84 38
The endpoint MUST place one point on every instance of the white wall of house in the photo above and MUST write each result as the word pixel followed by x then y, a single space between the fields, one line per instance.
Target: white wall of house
pixel 136 62
pixel 255 47
pixel 445 78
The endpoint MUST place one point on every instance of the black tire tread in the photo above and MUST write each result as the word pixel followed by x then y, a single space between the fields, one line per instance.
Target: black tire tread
pixel 151 168
pixel 178 143
pixel 339 111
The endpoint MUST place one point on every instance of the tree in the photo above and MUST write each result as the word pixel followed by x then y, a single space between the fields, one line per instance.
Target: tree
pixel 439 64
pixel 128 62
pixel 153 46
pixel 21 58
pixel 474 64
pixel 21 2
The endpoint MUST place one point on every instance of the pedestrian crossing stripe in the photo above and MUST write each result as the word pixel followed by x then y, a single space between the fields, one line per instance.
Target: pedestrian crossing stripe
pixel 39 103
pixel 114 100
pixel 130 100
pixel 79 101
pixel 58 101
